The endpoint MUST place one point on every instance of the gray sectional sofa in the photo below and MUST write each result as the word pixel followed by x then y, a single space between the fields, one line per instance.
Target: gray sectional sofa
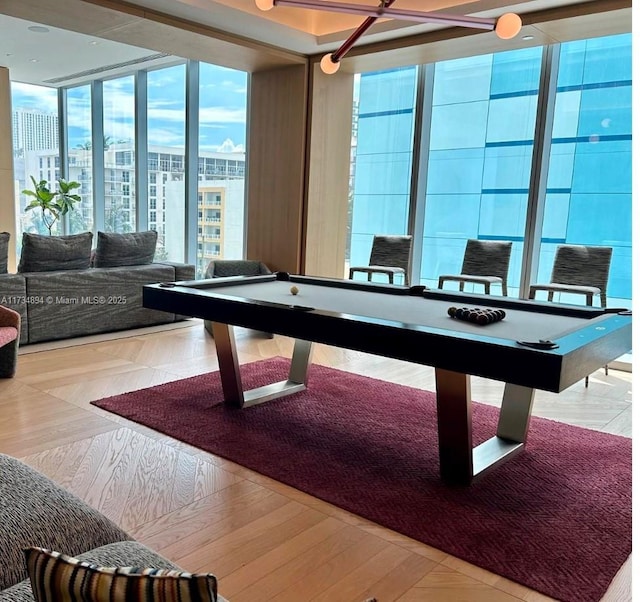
pixel 71 303
pixel 63 303
pixel 34 511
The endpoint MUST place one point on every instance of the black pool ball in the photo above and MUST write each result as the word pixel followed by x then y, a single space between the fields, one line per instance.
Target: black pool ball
pixel 459 313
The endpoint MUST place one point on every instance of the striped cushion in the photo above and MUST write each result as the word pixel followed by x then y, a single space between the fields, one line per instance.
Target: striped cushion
pixel 56 577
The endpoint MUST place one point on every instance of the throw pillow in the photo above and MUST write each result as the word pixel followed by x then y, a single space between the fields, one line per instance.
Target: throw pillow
pixel 4 251
pixel 47 253
pixel 135 248
pixel 55 576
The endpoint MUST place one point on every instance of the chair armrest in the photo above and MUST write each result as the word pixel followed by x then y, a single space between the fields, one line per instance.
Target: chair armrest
pixel 9 317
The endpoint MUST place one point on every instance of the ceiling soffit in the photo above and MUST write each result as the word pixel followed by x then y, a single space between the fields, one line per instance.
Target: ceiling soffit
pixel 391 43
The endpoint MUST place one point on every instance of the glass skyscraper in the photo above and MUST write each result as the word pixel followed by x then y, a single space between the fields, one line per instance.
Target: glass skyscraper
pixel 484 156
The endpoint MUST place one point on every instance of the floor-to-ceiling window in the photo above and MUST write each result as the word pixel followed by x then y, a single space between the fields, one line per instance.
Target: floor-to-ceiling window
pixel 35 149
pixel 480 149
pixel 166 120
pixel 119 155
pixel 100 127
pixel 221 164
pixel 482 131
pixel 588 196
pixel 78 122
pixel 383 157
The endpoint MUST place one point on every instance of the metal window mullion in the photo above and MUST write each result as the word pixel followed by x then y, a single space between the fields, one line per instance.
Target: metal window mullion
pixel 539 166
pixel 97 154
pixel 191 161
pixel 419 167
pixel 63 146
pixel 141 171
pixel 247 168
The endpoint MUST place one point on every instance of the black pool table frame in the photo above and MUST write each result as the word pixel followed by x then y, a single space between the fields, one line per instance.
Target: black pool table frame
pixel 606 335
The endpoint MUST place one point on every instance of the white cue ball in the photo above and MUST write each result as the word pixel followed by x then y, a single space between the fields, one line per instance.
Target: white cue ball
pixel 294 290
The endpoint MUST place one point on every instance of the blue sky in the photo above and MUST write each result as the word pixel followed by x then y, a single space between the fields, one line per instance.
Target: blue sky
pixel 223 98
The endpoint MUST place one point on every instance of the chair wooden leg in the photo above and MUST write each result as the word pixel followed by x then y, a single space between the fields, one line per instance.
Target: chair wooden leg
pixel 487 288
pixel 504 289
pixel 9 359
pixel 606 373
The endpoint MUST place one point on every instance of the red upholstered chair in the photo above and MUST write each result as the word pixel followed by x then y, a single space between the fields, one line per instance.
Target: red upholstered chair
pixel 9 337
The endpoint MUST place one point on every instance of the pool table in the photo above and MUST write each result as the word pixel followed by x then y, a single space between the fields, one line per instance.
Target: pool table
pixel 537 345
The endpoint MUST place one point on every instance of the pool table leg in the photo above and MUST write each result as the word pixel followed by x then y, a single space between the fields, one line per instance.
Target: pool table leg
pixel 454 426
pixel 460 462
pixel 229 366
pixel 232 389
pixel 515 413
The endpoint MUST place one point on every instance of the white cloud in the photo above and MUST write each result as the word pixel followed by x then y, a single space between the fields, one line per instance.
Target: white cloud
pixel 166 137
pixel 167 114
pixel 118 131
pixel 229 147
pixel 227 85
pixel 173 76
pixel 211 115
pixel 34 97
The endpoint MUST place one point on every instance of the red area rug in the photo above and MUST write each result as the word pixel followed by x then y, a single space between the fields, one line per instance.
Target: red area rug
pixel 556 518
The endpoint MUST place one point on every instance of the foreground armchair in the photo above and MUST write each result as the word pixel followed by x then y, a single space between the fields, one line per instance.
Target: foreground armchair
pixel 9 337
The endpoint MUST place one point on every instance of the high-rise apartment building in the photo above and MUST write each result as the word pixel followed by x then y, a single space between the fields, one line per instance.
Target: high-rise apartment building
pixel 34 130
pixel 220 196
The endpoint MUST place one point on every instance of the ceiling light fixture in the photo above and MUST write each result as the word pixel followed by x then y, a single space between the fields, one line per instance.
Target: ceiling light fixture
pixel 506 27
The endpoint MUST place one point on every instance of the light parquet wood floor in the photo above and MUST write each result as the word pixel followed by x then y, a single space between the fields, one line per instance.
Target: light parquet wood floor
pixel 264 540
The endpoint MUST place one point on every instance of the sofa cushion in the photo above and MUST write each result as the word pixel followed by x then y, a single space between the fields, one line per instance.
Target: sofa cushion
pixel 4 251
pixel 55 576
pixel 34 511
pixel 121 553
pixel 134 248
pixel 47 253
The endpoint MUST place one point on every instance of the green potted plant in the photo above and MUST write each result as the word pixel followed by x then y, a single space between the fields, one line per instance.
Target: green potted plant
pixel 52 204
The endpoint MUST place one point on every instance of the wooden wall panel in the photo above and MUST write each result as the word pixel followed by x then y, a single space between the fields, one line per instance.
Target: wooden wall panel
pixel 328 174
pixel 7 188
pixel 275 176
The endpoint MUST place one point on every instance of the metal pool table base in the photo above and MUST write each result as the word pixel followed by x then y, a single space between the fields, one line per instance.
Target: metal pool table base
pixel 460 462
